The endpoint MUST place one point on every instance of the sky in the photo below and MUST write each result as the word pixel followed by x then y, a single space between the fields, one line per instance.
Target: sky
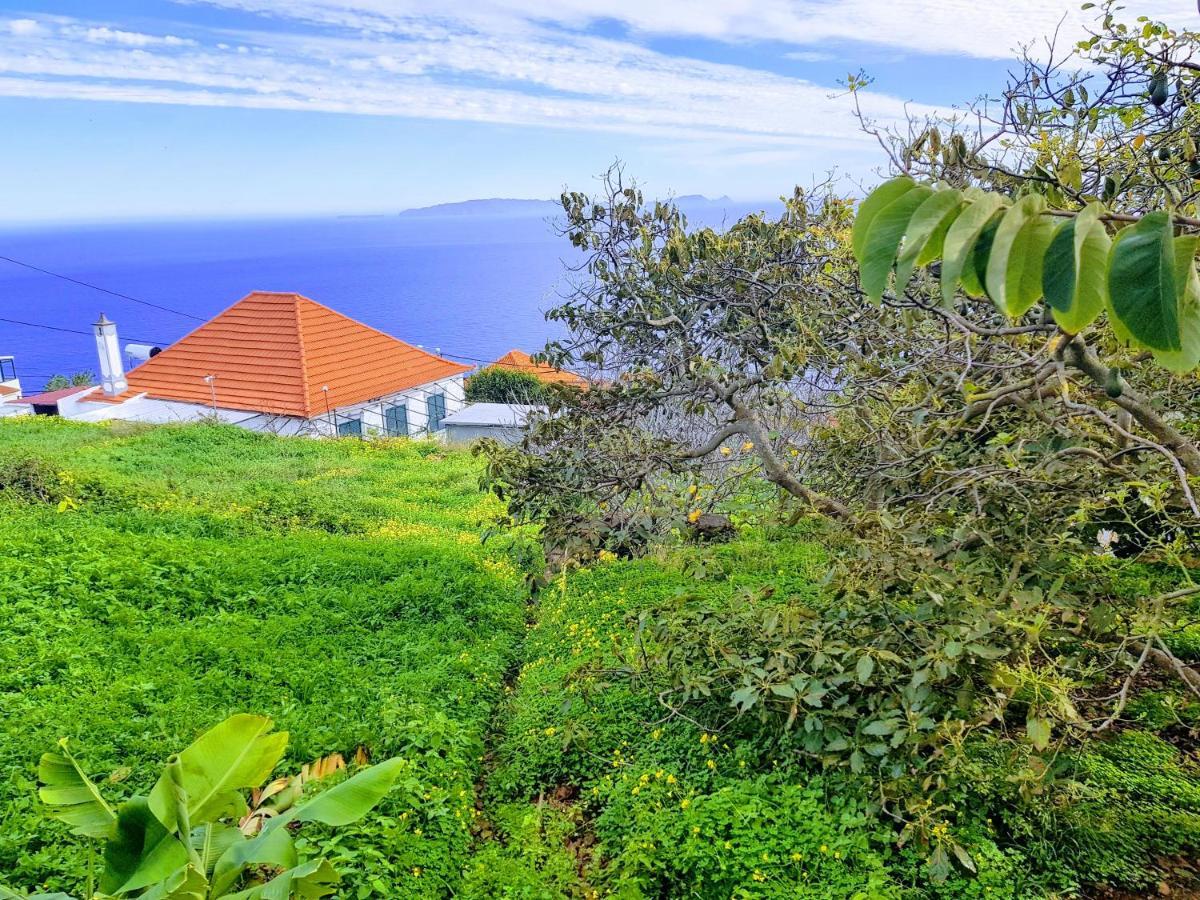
pixel 143 109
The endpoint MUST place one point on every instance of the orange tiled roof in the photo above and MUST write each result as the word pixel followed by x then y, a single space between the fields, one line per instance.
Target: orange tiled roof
pixel 519 361
pixel 273 352
pixel 5 390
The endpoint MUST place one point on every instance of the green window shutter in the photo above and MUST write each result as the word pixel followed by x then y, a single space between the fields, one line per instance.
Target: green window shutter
pixel 395 420
pixel 437 411
pixel 350 428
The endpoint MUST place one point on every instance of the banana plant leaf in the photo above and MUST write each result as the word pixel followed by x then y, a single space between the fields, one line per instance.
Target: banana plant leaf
pixel 72 797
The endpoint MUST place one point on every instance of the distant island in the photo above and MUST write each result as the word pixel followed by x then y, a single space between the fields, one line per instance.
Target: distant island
pixel 508 207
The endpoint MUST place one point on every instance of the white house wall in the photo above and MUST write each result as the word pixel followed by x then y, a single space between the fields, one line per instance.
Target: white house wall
pixel 415 399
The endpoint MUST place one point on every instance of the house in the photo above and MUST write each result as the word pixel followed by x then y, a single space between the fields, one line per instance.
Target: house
pixel 519 361
pixel 276 362
pixel 10 387
pixel 504 422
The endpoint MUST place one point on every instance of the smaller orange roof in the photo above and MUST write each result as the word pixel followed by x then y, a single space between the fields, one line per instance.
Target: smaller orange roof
pixel 5 390
pixel 519 361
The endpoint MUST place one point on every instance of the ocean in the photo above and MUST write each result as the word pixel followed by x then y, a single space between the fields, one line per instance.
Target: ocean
pixel 470 286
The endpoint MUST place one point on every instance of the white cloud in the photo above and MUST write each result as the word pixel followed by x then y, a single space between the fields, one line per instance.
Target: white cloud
pixel 104 35
pixel 531 76
pixel 957 27
pixel 23 27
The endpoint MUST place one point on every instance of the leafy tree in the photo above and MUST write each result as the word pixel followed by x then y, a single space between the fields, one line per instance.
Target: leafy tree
pixel 498 385
pixel 79 379
pixel 195 836
pixel 982 380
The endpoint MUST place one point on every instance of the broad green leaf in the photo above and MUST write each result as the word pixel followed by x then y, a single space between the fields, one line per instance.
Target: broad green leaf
pixel 71 795
pixel 1073 272
pixel 350 800
pixel 959 247
pixel 1141 283
pixel 186 884
pixel 212 840
pixel 1038 730
pixel 237 754
pixel 1010 257
pixel 975 271
pixel 142 852
pixel 871 206
pixel 883 240
pixel 1187 282
pixel 271 847
pixel 927 232
pixel 865 668
pixel 316 878
pixel 1025 265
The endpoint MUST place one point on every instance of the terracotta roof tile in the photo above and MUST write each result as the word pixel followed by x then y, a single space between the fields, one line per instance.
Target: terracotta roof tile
pixel 519 361
pixel 273 352
pixel 51 398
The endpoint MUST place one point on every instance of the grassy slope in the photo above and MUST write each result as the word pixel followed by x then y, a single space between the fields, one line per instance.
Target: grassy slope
pixel 190 573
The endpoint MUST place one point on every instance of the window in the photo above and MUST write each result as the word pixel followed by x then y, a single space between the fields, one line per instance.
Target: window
pixel 437 411
pixel 395 420
pixel 8 371
pixel 350 428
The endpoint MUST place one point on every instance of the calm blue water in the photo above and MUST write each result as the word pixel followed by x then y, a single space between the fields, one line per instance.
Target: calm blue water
pixel 472 286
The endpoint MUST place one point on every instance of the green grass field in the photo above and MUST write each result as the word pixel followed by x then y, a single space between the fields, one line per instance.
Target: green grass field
pixel 155 581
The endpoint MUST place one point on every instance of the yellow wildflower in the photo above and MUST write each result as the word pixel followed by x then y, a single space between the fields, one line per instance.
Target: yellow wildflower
pixel 758 876
pixel 748 446
pixel 685 803
pixel 694 516
pixel 712 764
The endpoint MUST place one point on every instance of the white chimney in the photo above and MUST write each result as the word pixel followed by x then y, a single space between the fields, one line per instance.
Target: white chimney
pixel 112 369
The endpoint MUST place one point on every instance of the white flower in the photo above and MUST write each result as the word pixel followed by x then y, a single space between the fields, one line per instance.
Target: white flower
pixel 1105 538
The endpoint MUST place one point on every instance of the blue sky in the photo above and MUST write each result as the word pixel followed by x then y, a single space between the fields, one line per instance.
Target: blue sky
pixel 119 109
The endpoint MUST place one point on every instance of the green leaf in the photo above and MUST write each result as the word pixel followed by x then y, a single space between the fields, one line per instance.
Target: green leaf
pixel 871 206
pixel 239 753
pixel 1188 282
pixel 975 271
pixel 142 851
pixel 271 847
pixel 1038 730
pixel 865 668
pixel 71 795
pixel 960 240
pixel 1073 272
pixel 212 840
pixel 880 727
pixel 926 232
pixel 1014 253
pixel 1141 283
pixel 350 800
pixel 316 878
pixel 883 240
pixel 186 884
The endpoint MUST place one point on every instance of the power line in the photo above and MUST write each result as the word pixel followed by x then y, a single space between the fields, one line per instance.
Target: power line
pixel 68 330
pixel 17 262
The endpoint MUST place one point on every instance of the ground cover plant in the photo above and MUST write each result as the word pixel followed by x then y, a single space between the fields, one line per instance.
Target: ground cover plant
pixel 604 785
pixel 156 581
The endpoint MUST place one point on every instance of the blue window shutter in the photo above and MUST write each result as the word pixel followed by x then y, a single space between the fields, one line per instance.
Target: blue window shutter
pixel 395 420
pixel 350 428
pixel 437 411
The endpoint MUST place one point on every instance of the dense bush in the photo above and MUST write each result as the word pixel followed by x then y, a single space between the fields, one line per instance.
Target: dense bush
pixel 656 799
pixel 497 385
